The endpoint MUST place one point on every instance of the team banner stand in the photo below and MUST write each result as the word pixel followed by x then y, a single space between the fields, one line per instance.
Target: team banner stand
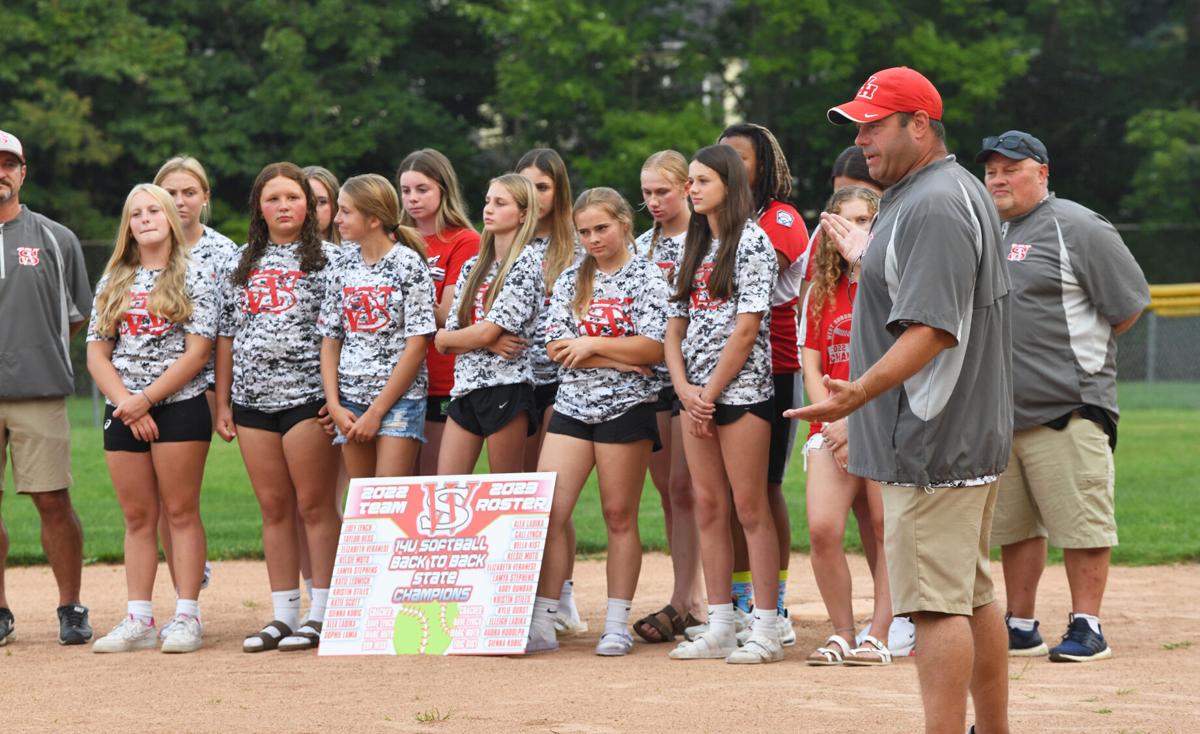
pixel 438 565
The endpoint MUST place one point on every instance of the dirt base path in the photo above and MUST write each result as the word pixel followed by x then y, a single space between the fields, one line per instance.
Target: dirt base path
pixel 1152 684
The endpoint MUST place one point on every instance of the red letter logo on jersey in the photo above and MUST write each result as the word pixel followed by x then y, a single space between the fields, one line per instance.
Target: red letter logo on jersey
pixel 366 308
pixel 480 295
pixel 28 256
pixel 607 317
pixel 271 291
pixel 139 321
pixel 700 296
pixel 1019 251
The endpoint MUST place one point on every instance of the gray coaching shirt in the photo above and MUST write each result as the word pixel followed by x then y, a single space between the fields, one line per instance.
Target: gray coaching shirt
pixel 934 258
pixel 1072 279
pixel 43 290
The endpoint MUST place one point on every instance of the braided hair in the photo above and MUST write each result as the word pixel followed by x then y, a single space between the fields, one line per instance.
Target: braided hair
pixel 773 180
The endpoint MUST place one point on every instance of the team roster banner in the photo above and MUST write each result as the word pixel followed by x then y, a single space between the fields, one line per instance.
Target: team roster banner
pixel 438 565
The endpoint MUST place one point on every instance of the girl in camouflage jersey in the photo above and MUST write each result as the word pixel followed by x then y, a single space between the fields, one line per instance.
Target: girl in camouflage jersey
pixel 268 362
pixel 664 191
pixel 151 332
pixel 720 361
pixel 377 314
pixel 605 329
pixel 184 178
pixel 489 327
pixel 556 244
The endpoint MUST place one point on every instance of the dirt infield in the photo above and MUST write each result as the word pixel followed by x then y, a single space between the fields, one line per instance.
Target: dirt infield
pixel 1152 620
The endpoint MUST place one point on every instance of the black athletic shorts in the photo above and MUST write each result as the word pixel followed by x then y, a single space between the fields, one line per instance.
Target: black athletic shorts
pixel 726 414
pixel 637 424
pixel 437 408
pixel 488 409
pixel 783 430
pixel 666 401
pixel 185 420
pixel 278 421
pixel 544 396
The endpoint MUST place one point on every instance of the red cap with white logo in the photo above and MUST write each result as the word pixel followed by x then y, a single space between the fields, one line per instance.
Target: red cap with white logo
pixel 10 144
pixel 898 89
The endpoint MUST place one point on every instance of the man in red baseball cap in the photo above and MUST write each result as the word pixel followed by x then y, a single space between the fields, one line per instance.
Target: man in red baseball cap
pixel 930 396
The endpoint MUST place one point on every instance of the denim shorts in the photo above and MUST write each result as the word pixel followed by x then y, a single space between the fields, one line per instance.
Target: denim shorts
pixel 405 419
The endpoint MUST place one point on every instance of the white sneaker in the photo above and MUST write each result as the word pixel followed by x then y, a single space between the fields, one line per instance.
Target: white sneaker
pixel 131 634
pixel 902 637
pixel 707 646
pixel 742 621
pixel 614 644
pixel 165 629
pixel 758 649
pixel 185 636
pixel 787 634
pixel 568 624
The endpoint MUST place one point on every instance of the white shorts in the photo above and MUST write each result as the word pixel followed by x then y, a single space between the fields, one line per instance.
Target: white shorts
pixel 815 441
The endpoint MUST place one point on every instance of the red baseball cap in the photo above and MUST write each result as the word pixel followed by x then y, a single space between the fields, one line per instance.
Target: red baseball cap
pixel 898 89
pixel 10 144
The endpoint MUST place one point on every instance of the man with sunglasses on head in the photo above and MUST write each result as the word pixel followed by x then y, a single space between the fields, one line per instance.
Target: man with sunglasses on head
pixel 1075 287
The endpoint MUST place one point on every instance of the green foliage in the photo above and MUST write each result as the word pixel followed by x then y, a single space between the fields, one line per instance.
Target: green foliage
pixel 1170 140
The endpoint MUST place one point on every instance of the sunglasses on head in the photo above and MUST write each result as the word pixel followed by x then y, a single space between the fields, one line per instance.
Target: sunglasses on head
pixel 1012 142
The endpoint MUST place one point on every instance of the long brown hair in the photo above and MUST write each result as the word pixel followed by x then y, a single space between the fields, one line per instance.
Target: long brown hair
pixel 374 196
pixel 525 197
pixel 452 208
pixel 731 220
pixel 169 298
pixel 560 253
pixel 312 254
pixel 674 167
pixel 326 177
pixel 830 266
pixel 616 207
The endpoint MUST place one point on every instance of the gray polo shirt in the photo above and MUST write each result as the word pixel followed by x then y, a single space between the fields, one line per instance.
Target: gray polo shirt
pixel 43 290
pixel 1073 278
pixel 934 258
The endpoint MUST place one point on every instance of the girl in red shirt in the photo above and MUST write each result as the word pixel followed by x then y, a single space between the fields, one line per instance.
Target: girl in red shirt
pixel 433 205
pixel 828 307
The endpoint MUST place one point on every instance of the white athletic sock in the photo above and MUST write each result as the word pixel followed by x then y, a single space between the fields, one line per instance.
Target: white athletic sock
pixel 1021 623
pixel 308 586
pixel 616 619
pixel 720 619
pixel 1092 620
pixel 287 606
pixel 187 608
pixel 765 624
pixel 316 612
pixel 142 611
pixel 566 600
pixel 542 626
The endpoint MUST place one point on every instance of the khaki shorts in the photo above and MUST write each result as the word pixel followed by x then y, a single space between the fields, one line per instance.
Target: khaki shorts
pixel 40 437
pixel 1058 485
pixel 936 543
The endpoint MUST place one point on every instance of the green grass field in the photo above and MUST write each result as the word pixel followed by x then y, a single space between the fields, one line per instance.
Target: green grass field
pixel 1158 491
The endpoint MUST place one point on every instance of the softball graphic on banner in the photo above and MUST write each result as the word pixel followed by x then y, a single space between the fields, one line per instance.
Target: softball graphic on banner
pixel 438 565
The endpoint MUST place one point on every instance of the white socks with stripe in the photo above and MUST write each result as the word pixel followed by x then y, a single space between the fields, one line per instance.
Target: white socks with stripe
pixel 142 611
pixel 187 608
pixel 287 606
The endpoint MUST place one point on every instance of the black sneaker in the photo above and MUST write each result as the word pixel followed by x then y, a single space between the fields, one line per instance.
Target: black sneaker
pixel 1022 644
pixel 6 626
pixel 73 627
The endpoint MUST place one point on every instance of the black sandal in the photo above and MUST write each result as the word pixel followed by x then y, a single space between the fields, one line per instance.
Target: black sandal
pixel 308 637
pixel 269 641
pixel 652 622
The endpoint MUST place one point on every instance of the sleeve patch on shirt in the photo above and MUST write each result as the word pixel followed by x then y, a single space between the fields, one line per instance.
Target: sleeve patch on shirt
pixel 784 218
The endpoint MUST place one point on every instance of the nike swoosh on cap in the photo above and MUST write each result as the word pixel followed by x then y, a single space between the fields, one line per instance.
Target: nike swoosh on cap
pixel 869 115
